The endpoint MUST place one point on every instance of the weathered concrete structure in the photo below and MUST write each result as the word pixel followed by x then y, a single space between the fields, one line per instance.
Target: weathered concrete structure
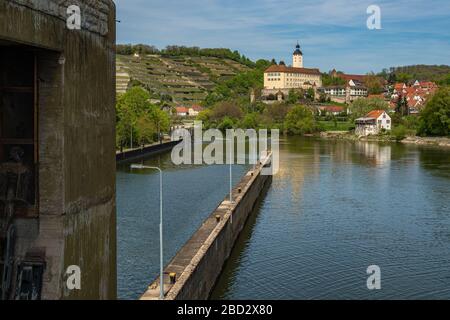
pixel 66 80
pixel 199 263
pixel 135 154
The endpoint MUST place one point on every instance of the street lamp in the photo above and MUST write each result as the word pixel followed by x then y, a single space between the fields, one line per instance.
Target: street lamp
pixel 161 266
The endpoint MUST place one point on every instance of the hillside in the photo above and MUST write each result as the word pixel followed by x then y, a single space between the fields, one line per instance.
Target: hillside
pixel 436 73
pixel 186 79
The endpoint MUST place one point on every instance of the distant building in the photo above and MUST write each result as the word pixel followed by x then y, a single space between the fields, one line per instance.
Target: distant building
pixel 194 110
pixel 373 123
pixel 353 89
pixel 284 78
pixel 331 110
pixel 182 111
pixel 415 95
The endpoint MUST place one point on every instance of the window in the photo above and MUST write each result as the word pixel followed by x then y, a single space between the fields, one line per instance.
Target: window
pixel 18 129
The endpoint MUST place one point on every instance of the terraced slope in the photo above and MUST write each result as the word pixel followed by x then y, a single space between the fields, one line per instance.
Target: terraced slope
pixel 186 79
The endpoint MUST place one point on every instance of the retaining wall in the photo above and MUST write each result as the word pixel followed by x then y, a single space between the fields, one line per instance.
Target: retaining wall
pixel 200 261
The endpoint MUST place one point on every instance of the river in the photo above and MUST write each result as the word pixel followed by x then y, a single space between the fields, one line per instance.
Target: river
pixel 335 208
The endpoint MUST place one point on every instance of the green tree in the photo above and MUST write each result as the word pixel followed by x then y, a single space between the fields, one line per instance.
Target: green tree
pixel 145 130
pixel 300 120
pixel 129 107
pixel 399 132
pixel 373 84
pixel 250 121
pixel 435 117
pixel 137 119
pixel 226 109
pixel 160 120
pixel 404 77
pixel 310 94
pixel 294 96
pixel 226 123
pixel 360 107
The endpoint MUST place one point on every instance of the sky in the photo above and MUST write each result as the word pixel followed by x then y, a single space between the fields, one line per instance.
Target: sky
pixel 333 34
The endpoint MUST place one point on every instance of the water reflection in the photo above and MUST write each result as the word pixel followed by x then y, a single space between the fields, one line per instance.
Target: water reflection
pixel 337 207
pixel 190 195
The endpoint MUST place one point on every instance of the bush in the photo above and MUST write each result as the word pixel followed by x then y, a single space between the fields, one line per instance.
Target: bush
pixel 399 132
pixel 435 117
pixel 250 121
pixel 300 120
pixel 227 123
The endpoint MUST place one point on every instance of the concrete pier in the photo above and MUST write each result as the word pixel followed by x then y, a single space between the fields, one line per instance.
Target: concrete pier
pixel 138 153
pixel 200 261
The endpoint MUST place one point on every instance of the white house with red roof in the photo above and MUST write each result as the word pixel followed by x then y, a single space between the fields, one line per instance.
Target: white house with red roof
pixel 182 111
pixel 373 123
pixel 195 110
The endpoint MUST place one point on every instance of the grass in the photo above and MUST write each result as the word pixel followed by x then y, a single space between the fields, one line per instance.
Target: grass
pixel 338 126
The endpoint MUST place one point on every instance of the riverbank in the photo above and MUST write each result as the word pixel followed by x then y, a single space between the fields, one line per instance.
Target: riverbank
pixel 429 141
pixel 132 154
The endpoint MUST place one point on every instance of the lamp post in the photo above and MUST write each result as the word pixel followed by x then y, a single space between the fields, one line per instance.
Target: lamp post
pixel 161 266
pixel 230 159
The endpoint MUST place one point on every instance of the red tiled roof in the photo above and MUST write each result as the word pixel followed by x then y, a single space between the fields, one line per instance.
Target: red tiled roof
pixel 332 108
pixel 348 77
pixel 375 114
pixel 381 96
pixel 182 110
pixel 399 86
pixel 277 68
pixel 197 108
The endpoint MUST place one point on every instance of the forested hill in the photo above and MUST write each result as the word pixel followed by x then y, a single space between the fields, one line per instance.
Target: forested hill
pixel 182 75
pixel 436 73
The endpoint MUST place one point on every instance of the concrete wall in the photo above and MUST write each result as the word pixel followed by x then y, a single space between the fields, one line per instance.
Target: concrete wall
pixel 144 152
pixel 76 72
pixel 199 263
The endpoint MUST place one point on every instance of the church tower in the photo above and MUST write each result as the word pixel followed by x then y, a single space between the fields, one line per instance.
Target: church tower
pixel 297 57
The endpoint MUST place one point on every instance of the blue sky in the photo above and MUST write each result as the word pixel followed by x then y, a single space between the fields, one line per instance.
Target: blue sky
pixel 332 33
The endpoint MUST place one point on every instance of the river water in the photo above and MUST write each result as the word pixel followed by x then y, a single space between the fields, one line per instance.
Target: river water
pixel 335 208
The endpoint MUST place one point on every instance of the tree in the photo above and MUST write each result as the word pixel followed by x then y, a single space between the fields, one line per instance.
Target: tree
pixel 435 117
pixel 373 84
pixel 160 120
pixel 129 107
pixel 445 81
pixel 293 97
pixel 328 80
pixel 275 113
pixel 145 130
pixel 310 94
pixel 250 121
pixel 226 123
pixel 300 120
pixel 137 119
pixel 226 109
pixel 404 77
pixel 362 106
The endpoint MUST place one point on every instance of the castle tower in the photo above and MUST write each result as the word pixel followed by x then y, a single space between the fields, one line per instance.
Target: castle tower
pixel 297 57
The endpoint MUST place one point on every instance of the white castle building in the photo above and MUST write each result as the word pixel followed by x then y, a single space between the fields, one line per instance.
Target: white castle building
pixel 280 79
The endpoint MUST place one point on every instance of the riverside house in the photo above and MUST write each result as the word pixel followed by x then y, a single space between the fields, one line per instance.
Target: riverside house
pixel 373 123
